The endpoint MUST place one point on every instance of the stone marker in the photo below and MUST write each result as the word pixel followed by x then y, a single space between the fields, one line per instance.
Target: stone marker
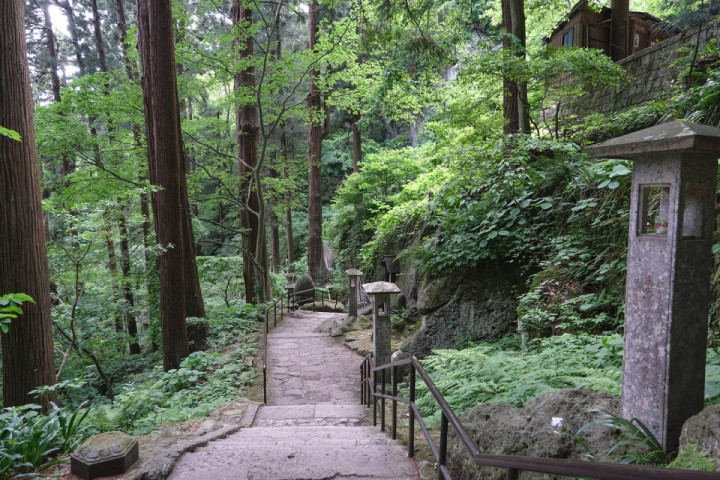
pixel 304 289
pixel 380 293
pixel 354 274
pixel 109 453
pixel 668 271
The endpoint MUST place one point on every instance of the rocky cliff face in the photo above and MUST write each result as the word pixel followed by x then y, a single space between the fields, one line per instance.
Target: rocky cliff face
pixel 476 304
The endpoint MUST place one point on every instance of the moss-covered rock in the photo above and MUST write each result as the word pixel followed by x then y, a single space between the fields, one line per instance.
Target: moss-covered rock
pixel 703 431
pixel 477 304
pixel 546 427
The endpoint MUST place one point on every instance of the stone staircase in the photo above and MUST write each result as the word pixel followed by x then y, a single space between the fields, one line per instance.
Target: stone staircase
pixel 312 428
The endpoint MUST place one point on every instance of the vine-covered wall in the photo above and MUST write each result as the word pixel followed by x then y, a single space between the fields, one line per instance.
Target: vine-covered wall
pixel 652 72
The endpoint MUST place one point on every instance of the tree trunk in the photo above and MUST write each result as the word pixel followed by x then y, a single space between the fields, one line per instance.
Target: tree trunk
pixel 112 268
pixel 254 247
pixel 98 37
pixel 517 15
pixel 357 144
pixel 127 284
pixel 52 53
pixel 74 32
pixel 515 104
pixel 157 54
pixel 151 267
pixel 317 131
pixel 274 232
pixel 510 90
pixel 288 197
pixel 122 29
pixel 27 349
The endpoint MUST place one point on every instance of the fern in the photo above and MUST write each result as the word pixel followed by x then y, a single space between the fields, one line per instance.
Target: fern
pixel 503 372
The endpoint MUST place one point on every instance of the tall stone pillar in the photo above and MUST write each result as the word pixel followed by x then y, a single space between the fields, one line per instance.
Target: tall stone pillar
pixel 668 271
pixel 354 275
pixel 380 293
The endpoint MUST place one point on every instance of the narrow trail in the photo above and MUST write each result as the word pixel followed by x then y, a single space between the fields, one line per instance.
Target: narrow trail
pixel 312 427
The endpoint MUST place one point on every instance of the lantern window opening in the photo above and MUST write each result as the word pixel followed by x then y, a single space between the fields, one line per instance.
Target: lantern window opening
pixel 655 209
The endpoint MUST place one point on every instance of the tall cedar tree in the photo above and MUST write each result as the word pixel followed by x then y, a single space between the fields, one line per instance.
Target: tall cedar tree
pixel 27 348
pixel 515 103
pixel 254 247
pixel 157 54
pixel 317 131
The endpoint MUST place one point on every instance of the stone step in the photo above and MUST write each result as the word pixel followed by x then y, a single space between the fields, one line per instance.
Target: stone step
pixel 309 415
pixel 295 453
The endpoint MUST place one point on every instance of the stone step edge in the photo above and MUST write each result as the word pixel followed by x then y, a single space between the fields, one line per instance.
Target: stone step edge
pixel 161 465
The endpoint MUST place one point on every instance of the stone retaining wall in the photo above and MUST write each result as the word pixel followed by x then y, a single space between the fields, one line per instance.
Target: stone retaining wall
pixel 652 71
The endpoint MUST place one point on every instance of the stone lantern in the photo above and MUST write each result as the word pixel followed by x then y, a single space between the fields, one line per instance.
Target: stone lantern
pixel 668 271
pixel 354 275
pixel 380 293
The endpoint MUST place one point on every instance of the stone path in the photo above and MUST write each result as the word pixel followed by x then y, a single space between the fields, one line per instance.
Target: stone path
pixel 312 427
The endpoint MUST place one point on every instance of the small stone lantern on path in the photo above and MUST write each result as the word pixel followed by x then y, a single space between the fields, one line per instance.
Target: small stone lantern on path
pixel 668 271
pixel 355 275
pixel 380 293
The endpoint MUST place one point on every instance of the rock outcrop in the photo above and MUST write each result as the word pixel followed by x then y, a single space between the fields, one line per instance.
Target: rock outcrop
pixel 703 431
pixel 546 427
pixel 477 304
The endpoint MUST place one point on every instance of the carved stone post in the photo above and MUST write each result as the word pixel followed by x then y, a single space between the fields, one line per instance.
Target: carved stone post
pixel 380 293
pixel 668 271
pixel 354 275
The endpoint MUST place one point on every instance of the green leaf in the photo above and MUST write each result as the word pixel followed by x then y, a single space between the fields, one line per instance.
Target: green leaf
pixel 6 132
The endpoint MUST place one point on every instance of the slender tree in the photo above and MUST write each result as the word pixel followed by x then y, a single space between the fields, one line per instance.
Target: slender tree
pixel 248 131
pixel 318 129
pixel 515 103
pixel 157 53
pixel 27 348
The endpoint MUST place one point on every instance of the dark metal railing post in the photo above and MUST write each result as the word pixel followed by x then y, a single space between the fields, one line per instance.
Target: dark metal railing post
pixel 374 398
pixel 275 314
pixel 442 461
pixel 512 474
pixel 362 383
pixel 382 401
pixel 411 413
pixel 394 402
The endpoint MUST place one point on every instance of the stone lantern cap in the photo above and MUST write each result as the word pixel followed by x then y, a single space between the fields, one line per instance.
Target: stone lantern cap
pixel 670 137
pixel 380 287
pixel 354 272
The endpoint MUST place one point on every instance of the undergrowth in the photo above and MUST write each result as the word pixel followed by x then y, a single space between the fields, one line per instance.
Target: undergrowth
pixel 505 372
pixel 203 382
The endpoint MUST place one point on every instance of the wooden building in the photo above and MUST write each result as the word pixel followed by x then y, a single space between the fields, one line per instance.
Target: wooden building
pixel 617 31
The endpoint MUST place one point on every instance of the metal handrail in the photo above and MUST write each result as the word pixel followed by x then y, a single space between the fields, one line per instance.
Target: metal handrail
pixel 370 377
pixel 314 291
pixel 272 307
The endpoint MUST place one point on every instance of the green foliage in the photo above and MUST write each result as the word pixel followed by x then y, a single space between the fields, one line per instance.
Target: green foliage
pixel 6 132
pixel 10 304
pixel 222 277
pixel 689 458
pixel 636 440
pixel 30 439
pixel 204 381
pixel 366 195
pixel 504 372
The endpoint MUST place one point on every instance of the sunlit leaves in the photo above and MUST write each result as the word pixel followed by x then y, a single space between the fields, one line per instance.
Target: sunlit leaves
pixel 6 132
